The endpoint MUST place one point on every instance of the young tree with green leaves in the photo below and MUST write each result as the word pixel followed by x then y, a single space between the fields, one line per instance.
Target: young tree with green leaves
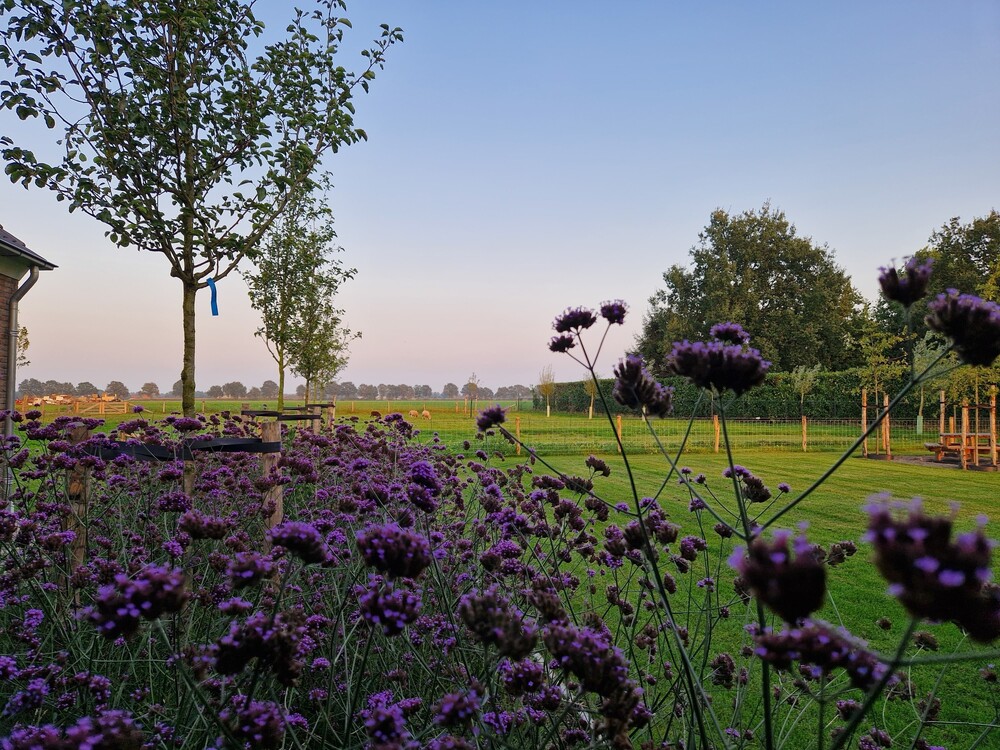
pixel 547 387
pixel 170 131
pixel 292 287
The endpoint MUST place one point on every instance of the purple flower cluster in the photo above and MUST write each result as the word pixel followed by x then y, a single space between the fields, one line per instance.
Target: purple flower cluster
pixel 457 709
pixel 109 729
pixel 637 389
pixel 908 287
pixel 248 568
pixel 273 641
pixel 718 366
pixel 492 620
pixel 260 724
pixel 394 551
pixel 424 487
pixel 816 644
pixel 574 319
pixel 490 417
pixel 793 587
pixel 972 324
pixel 753 487
pixel 931 574
pixel 589 655
pixel 614 311
pixel 153 592
pixel 302 540
pixel 729 333
pixel 388 607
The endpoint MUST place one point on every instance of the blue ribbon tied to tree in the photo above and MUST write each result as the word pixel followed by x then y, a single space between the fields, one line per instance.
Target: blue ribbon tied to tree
pixel 215 296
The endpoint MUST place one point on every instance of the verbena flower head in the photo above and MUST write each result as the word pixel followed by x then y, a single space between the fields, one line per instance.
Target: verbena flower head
pixel 395 551
pixel 909 287
pixel 302 540
pixel 574 319
pixel 972 323
pixel 492 619
pixel 729 333
pixel 931 574
pixel 718 366
pixel 816 644
pixel 793 586
pixel 490 417
pixel 614 311
pixel 153 592
pixel 636 388
pixel 562 343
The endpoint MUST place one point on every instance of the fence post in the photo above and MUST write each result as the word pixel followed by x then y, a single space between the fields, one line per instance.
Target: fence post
pixel 993 426
pixel 517 434
pixel 270 432
pixel 965 433
pixel 941 412
pixel 886 428
pixel 864 420
pixel 618 430
pixel 717 429
pixel 78 492
pixel 331 414
pixel 804 443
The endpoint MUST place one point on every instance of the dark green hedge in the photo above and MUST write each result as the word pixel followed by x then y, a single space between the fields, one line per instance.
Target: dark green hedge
pixel 836 395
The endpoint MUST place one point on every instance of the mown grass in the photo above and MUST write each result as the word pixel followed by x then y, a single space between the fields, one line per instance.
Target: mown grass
pixel 857 597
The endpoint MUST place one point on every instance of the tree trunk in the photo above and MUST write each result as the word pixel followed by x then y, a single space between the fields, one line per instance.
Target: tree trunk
pixel 548 409
pixel 187 374
pixel 281 385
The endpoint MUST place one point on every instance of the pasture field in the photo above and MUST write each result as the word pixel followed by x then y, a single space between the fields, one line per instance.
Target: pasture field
pixel 857 594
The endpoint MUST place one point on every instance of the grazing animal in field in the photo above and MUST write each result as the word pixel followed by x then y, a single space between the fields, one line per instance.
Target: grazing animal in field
pixel 414 413
pixel 425 414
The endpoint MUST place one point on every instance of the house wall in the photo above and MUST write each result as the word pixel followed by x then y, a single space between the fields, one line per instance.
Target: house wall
pixel 8 286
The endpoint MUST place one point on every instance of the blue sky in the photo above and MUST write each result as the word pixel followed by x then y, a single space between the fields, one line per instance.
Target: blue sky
pixel 525 157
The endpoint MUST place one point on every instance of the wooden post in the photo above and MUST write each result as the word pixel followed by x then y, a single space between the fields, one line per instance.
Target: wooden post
pixel 270 432
pixel 886 427
pixel 940 412
pixel 517 434
pixel 618 430
pixel 804 442
pixel 965 434
pixel 717 428
pixel 331 415
pixel 100 407
pixel 993 426
pixel 864 420
pixel 78 492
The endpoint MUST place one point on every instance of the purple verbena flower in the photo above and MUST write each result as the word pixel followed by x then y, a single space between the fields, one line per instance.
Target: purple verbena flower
pixel 637 389
pixel 562 343
pixel 729 333
pixel 933 575
pixel 614 311
pixel 972 324
pixel 302 540
pixel 718 366
pixel 793 586
pixel 908 287
pixel 574 319
pixel 153 592
pixel 490 417
pixel 394 551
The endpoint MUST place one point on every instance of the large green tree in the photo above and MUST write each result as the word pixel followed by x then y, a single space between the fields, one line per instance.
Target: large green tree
pixel 798 305
pixel 966 257
pixel 170 131
pixel 293 286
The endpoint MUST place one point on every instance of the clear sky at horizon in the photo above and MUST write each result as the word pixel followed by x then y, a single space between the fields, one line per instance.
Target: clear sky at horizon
pixel 524 157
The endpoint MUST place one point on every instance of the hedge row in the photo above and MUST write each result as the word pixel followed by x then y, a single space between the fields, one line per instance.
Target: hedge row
pixel 836 395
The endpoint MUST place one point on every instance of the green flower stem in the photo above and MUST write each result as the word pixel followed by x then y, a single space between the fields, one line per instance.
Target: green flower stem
pixel 893 664
pixel 761 615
